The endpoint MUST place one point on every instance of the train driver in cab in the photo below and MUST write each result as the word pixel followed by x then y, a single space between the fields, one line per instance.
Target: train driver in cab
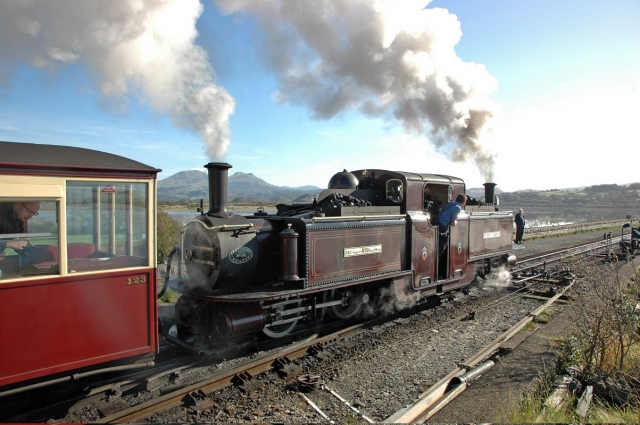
pixel 13 219
pixel 449 217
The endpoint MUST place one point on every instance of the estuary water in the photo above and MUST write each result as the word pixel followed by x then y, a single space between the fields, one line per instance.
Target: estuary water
pixel 553 216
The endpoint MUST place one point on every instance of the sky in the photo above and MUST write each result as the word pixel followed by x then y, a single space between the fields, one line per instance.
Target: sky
pixel 529 94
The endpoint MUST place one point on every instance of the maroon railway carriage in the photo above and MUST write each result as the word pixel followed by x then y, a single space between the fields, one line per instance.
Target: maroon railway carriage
pixel 81 295
pixel 366 244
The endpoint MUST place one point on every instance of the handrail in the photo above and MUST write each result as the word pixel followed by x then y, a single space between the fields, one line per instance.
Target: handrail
pixel 489 213
pixel 356 218
pixel 221 227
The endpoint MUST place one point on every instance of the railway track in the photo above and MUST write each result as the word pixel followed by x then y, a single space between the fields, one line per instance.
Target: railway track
pixel 531 262
pixel 456 381
pixel 194 395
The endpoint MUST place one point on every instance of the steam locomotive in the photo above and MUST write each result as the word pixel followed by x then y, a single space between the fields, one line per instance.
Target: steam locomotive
pixel 367 243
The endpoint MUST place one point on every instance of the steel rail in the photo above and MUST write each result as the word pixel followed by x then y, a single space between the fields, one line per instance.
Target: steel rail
pixel 436 397
pixel 252 368
pixel 441 393
pixel 555 256
pixel 263 364
pixel 132 415
pixel 123 383
pixel 227 377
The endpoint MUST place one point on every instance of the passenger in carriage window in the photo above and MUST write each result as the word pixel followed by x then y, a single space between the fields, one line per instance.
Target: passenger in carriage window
pixel 13 219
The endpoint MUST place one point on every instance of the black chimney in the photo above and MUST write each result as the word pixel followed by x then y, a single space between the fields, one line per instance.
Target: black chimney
pixel 489 189
pixel 218 179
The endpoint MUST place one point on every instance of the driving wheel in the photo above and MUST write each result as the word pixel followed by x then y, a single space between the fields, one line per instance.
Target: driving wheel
pixel 352 297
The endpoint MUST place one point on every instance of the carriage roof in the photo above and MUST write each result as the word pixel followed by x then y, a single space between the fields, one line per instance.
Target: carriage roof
pixel 32 157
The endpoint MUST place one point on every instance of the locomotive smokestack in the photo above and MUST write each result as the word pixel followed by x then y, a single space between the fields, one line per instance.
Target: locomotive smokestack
pixel 489 190
pixel 218 179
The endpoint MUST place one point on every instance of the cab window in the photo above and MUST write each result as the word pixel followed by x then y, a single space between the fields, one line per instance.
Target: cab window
pixel 436 196
pixel 394 190
pixel 29 237
pixel 106 225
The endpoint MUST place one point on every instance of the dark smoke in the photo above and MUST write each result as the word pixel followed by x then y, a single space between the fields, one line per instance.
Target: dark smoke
pixel 392 59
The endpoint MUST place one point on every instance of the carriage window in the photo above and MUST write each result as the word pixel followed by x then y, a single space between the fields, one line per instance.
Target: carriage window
pixel 106 225
pixel 28 238
pixel 394 190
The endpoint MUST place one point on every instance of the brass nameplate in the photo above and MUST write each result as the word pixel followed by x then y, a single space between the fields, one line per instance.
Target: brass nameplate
pixel 363 250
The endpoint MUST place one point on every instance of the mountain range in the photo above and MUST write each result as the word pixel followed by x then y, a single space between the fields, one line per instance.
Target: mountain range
pixel 245 188
pixel 242 188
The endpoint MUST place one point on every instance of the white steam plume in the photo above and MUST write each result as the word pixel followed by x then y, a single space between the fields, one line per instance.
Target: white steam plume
pixel 138 48
pixel 386 58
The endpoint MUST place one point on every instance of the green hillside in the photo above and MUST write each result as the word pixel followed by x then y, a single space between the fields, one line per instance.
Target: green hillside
pixel 606 195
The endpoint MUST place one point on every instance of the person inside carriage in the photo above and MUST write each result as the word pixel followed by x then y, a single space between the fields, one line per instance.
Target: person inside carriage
pixel 13 219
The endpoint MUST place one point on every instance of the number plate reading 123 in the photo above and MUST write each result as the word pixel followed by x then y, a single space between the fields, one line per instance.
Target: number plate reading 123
pixel 135 280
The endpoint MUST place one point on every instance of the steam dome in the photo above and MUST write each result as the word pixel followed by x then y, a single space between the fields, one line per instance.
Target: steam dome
pixel 343 180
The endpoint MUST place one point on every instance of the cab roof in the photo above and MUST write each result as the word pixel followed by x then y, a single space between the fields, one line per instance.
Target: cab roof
pixel 408 176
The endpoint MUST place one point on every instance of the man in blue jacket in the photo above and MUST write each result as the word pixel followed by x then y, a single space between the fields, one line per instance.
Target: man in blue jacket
pixel 449 217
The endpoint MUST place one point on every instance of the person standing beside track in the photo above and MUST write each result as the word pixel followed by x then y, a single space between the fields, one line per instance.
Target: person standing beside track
pixel 519 220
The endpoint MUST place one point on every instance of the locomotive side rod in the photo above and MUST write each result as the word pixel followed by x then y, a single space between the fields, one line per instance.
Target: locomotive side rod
pixel 300 310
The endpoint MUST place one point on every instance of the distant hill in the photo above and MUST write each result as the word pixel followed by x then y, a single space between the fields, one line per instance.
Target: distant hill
pixel 245 188
pixel 185 178
pixel 242 188
pixel 622 197
pixel 478 192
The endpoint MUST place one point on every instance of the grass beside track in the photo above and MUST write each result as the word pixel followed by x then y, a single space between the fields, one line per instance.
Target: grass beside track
pixel 607 326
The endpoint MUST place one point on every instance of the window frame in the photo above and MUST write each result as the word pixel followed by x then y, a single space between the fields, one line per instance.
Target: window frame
pixel 23 188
